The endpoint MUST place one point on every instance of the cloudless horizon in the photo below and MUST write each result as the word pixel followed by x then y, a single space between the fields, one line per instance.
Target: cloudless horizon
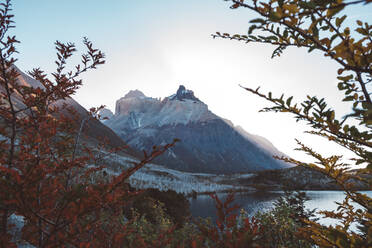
pixel 154 46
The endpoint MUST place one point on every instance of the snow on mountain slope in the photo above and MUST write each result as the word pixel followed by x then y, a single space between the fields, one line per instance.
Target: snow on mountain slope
pixel 209 143
pixel 135 110
pixel 162 178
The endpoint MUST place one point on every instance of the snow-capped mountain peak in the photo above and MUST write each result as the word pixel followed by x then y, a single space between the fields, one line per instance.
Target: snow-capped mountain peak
pixel 138 110
pixel 209 143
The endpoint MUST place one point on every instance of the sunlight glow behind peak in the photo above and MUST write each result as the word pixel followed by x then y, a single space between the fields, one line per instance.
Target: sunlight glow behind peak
pixel 154 47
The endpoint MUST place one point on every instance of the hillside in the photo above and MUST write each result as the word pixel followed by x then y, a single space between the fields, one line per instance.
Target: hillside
pixel 94 131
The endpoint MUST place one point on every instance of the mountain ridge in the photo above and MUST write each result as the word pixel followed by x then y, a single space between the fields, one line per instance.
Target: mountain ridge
pixel 94 131
pixel 209 143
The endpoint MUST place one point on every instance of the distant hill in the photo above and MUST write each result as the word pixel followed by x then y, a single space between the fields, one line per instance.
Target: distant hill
pixel 208 144
pixel 295 178
pixel 94 130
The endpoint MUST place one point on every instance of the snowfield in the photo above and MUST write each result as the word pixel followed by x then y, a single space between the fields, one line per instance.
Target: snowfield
pixel 157 176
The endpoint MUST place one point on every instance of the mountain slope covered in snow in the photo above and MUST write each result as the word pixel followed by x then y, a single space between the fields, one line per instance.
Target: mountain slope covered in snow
pixel 208 143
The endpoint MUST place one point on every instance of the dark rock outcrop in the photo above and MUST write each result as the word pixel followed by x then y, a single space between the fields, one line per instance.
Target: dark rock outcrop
pixel 183 93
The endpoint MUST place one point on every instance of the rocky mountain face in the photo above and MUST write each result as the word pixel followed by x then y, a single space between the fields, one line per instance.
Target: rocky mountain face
pixel 94 131
pixel 208 143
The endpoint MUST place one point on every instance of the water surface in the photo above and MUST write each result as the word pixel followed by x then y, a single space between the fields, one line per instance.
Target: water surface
pixel 204 206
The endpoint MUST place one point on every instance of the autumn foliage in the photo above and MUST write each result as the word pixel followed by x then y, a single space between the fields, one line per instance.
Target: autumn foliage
pixel 228 231
pixel 51 179
pixel 45 171
pixel 319 26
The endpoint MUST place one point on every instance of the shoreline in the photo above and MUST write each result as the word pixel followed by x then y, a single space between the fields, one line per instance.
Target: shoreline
pixel 192 195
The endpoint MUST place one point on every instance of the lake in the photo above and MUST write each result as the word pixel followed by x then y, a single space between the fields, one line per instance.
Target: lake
pixel 203 205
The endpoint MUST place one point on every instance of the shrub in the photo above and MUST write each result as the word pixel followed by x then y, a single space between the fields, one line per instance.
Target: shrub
pixel 320 26
pixel 45 171
pixel 175 205
pixel 229 230
pixel 280 225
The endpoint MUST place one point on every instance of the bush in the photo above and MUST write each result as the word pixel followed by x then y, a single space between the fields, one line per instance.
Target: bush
pixel 280 225
pixel 174 205
pixel 45 170
pixel 324 27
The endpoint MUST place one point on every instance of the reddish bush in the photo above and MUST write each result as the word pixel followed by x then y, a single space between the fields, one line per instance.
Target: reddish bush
pixel 44 172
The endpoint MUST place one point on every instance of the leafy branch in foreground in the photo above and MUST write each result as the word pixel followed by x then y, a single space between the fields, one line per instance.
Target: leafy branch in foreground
pixel 45 173
pixel 228 232
pixel 319 26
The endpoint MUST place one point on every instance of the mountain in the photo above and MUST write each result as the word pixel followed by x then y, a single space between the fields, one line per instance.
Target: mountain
pixel 151 175
pixel 262 142
pixel 94 131
pixel 208 143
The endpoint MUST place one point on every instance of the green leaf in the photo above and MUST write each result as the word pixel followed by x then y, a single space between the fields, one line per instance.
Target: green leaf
pixel 345 78
pixel 348 99
pixel 346 128
pixel 315 31
pixel 339 20
pixel 307 5
pixel 273 16
pixel 334 11
pixel 332 116
pixel 288 102
pixel 359 161
pixel 366 105
pixel 257 20
pixel 333 37
pixel 362 31
pixel 251 28
pixel 285 33
pixel 272 37
pixel 347 31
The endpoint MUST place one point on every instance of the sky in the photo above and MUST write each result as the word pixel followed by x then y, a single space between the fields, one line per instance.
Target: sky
pixel 156 45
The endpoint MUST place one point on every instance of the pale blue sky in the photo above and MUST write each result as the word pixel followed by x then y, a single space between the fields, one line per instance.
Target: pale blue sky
pixel 155 45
